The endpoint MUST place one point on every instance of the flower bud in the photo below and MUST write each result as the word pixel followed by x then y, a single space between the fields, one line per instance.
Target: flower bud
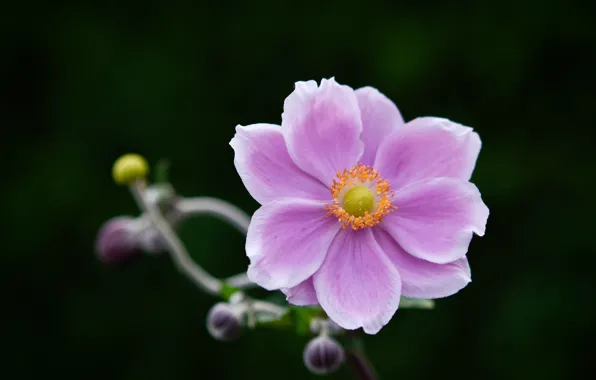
pixel 129 168
pixel 223 322
pixel 323 355
pixel 116 241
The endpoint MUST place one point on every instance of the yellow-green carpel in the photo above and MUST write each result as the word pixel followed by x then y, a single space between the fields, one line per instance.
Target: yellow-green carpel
pixel 358 200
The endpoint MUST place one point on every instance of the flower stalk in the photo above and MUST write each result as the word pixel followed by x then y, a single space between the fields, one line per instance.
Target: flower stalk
pixel 180 255
pixel 198 275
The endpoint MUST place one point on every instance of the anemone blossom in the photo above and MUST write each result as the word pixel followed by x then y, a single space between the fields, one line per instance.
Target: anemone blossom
pixel 358 207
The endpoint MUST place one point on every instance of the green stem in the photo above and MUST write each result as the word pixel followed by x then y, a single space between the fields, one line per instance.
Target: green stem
pixel 356 358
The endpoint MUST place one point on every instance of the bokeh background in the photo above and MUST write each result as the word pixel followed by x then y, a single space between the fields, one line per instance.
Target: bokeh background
pixel 85 82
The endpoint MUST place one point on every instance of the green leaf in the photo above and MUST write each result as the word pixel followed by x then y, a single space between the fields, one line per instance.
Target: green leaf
pixel 301 319
pixel 414 303
pixel 161 171
pixel 227 291
pixel 302 316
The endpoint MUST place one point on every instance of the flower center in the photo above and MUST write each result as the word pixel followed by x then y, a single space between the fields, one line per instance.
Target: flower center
pixel 361 198
pixel 358 200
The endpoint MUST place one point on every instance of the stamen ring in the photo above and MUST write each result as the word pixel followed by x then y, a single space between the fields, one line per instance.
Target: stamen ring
pixel 360 175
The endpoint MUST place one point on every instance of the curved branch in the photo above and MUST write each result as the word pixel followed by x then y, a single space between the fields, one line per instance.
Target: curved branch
pixel 240 281
pixel 356 357
pixel 215 207
pixel 361 366
pixel 178 251
pixel 188 207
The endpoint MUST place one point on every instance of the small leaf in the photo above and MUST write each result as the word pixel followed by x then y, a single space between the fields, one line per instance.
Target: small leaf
pixel 302 316
pixel 414 303
pixel 301 320
pixel 161 171
pixel 227 291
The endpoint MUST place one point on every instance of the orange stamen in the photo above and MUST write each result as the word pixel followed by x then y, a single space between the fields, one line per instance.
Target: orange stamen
pixel 361 174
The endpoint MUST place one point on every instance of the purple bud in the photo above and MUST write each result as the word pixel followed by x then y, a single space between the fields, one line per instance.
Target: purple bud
pixel 223 323
pixel 323 355
pixel 116 241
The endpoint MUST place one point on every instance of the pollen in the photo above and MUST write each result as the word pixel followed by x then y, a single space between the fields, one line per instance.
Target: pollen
pixel 361 198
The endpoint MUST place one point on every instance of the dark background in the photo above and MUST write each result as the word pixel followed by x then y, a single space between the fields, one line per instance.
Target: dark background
pixel 84 83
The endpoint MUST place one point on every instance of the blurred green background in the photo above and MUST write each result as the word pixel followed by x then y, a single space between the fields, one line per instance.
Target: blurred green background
pixel 85 83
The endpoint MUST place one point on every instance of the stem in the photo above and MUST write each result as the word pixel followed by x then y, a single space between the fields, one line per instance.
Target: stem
pixel 215 207
pixel 225 211
pixel 361 366
pixel 357 360
pixel 240 281
pixel 268 307
pixel 180 255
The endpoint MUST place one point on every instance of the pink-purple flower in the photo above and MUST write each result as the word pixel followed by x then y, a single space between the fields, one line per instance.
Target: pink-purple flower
pixel 358 207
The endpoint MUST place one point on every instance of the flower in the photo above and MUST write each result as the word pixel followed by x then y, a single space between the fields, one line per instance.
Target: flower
pixel 323 355
pixel 358 207
pixel 117 240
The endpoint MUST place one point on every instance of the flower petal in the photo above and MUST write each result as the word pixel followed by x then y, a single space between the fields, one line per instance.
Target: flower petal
pixel 262 161
pixel 302 294
pixel 428 147
pixel 435 219
pixel 287 241
pixel 322 128
pixel 379 116
pixel 357 285
pixel 420 278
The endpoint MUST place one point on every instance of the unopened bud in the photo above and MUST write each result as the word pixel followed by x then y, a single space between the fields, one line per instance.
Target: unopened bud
pixel 323 355
pixel 223 322
pixel 116 241
pixel 129 168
